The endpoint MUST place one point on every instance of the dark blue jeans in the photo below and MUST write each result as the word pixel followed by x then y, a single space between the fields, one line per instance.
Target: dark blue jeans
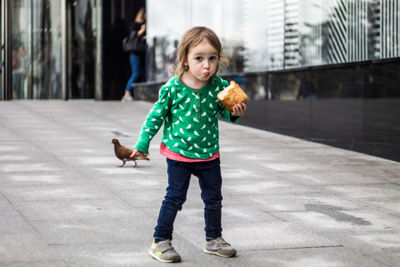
pixel 179 173
pixel 136 68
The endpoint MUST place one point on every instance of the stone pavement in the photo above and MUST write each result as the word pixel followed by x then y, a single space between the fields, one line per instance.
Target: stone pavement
pixel 287 202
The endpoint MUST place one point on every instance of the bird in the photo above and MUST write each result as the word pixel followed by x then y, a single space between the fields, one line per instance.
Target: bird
pixel 124 153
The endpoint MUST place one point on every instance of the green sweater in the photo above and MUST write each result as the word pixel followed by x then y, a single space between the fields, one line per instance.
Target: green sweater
pixel 190 119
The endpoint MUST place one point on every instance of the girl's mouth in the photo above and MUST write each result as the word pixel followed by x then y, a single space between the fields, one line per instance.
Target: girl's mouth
pixel 206 74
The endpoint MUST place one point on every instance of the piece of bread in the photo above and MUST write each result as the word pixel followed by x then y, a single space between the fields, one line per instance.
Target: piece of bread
pixel 231 96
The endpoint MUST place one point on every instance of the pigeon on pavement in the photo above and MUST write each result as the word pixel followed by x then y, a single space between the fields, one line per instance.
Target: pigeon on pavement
pixel 124 153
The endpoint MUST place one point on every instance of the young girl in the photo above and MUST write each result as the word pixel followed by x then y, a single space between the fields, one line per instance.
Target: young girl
pixel 188 107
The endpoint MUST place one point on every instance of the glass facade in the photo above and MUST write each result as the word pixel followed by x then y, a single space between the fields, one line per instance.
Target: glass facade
pixel 55 48
pixel 264 35
pixel 36 49
pixel 51 48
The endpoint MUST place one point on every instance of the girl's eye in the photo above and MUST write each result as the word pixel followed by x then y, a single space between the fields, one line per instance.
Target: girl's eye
pixel 198 58
pixel 213 58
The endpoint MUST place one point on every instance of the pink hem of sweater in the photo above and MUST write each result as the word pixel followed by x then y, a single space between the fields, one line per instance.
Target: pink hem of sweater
pixel 168 153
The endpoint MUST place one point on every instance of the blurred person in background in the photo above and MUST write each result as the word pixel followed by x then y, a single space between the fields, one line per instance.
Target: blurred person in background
pixel 136 59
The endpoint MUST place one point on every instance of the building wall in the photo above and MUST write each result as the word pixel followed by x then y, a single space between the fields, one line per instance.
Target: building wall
pixel 353 106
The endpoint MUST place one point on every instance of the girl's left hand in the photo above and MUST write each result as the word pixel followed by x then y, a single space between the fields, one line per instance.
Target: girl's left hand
pixel 239 109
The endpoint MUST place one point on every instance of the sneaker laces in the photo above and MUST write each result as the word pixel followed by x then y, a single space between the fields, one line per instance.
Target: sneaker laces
pixel 222 243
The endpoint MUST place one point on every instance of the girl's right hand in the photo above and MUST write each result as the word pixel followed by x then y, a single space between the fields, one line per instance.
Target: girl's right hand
pixel 137 153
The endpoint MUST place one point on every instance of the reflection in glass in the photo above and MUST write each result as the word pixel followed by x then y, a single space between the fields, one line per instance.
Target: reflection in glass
pixel 46 49
pixel 1 61
pixel 82 49
pixel 36 49
pixel 261 35
pixel 20 44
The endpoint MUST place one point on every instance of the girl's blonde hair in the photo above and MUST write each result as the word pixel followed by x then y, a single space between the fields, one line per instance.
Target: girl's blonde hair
pixel 193 37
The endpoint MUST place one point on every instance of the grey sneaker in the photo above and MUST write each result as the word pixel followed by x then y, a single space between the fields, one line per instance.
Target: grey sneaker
pixel 163 251
pixel 127 98
pixel 219 247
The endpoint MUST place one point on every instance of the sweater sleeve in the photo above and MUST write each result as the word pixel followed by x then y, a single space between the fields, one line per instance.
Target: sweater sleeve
pixel 154 120
pixel 225 114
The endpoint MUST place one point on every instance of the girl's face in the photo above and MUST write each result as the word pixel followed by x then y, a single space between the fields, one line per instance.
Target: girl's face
pixel 202 61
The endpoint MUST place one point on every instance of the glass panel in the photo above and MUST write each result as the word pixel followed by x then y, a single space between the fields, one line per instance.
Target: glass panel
pixel 163 29
pixel 267 25
pixel 313 24
pixel 21 44
pixel 262 35
pixel 1 54
pixel 82 49
pixel 36 49
pixel 97 41
pixel 46 49
pixel 373 30
pixel 226 18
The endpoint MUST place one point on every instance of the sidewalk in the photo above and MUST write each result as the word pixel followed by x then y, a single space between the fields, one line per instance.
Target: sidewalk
pixel 287 202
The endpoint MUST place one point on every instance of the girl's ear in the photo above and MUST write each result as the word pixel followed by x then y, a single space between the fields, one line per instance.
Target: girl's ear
pixel 185 67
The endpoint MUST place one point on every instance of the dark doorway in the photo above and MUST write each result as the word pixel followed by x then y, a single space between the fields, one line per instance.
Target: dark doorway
pixel 117 16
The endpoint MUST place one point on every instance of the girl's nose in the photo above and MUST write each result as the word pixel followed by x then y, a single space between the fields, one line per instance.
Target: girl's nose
pixel 206 64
